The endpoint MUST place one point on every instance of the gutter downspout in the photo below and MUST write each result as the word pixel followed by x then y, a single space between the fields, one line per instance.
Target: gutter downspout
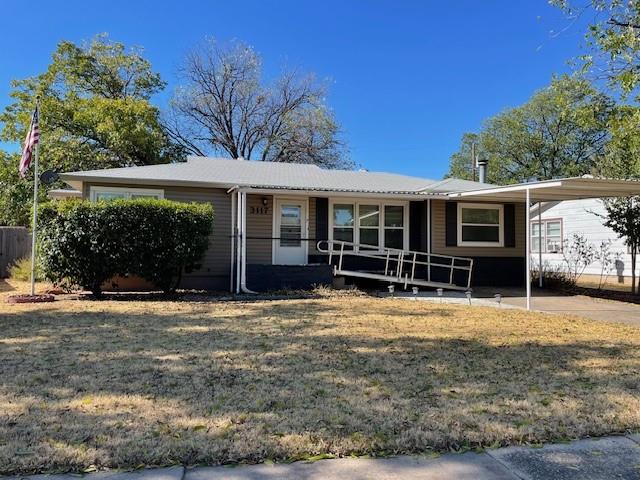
pixel 233 241
pixel 243 240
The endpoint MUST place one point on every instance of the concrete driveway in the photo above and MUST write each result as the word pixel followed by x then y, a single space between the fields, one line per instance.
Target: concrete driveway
pixel 580 305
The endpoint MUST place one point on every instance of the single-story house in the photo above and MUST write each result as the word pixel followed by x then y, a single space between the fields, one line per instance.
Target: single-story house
pixel 292 225
pixel 553 223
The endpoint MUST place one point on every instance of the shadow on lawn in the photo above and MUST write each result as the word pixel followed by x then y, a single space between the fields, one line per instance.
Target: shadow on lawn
pixel 285 381
pixel 5 286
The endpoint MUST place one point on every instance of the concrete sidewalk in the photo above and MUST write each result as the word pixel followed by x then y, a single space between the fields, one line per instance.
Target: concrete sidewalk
pixel 601 459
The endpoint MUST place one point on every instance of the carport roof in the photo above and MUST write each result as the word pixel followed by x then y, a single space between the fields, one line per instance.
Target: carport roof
pixel 575 188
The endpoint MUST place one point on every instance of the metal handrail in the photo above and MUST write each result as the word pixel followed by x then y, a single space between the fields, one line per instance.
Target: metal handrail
pixel 401 257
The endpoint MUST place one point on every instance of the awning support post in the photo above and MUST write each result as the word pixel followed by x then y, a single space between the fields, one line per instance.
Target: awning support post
pixel 540 244
pixel 239 239
pixel 243 243
pixel 527 277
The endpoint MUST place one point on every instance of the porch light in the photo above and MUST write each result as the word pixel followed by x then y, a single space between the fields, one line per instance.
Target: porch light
pixel 415 292
pixel 392 288
pixel 498 298
pixel 264 201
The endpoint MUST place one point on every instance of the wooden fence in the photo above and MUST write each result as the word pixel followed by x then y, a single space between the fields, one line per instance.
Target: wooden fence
pixel 15 243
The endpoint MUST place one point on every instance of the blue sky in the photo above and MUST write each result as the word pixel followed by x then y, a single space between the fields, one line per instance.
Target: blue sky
pixel 407 78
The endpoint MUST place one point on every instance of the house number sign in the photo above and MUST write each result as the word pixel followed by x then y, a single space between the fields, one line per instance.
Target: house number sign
pixel 258 210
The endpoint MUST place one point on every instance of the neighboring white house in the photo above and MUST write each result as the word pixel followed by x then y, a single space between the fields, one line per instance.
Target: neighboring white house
pixel 560 220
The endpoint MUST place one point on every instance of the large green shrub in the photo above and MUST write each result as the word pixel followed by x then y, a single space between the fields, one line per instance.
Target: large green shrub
pixel 85 244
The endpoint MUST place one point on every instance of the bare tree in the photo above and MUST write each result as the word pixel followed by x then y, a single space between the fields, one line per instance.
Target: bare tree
pixel 223 106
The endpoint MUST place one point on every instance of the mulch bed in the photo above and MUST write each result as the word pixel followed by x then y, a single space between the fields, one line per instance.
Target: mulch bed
pixel 607 294
pixel 25 298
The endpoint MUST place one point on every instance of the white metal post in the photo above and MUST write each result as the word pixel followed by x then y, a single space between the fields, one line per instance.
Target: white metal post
pixel 243 275
pixel 527 276
pixel 233 241
pixel 428 239
pixel 35 206
pixel 243 241
pixel 239 237
pixel 540 244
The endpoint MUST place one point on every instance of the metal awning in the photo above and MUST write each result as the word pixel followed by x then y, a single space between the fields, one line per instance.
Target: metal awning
pixel 551 191
pixel 576 188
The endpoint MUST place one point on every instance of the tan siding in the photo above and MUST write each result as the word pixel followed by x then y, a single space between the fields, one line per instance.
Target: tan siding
pixel 216 262
pixel 312 226
pixel 439 244
pixel 259 229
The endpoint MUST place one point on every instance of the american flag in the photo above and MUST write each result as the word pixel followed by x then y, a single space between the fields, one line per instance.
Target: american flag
pixel 33 137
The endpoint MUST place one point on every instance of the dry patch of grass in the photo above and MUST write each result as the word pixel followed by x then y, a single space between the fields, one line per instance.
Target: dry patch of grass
pixel 124 384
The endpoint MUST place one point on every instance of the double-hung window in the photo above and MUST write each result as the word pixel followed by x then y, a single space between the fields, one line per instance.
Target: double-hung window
pixel 549 232
pixel 480 225
pixel 394 226
pixel 343 223
pixel 98 193
pixel 368 224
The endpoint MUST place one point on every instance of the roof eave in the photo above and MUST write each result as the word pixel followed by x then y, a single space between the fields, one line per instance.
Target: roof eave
pixel 76 181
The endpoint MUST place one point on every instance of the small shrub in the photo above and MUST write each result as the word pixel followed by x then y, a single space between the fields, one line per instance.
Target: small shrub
pixel 86 244
pixel 554 278
pixel 607 259
pixel 21 270
pixel 577 254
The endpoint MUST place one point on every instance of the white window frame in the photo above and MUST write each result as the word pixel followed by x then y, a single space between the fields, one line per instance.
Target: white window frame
pixel 356 202
pixel 128 192
pixel 544 222
pixel 481 206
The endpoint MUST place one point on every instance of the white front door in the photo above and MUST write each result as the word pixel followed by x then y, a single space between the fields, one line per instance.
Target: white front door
pixel 290 232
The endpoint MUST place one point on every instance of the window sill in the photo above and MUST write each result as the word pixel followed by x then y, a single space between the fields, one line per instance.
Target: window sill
pixel 481 244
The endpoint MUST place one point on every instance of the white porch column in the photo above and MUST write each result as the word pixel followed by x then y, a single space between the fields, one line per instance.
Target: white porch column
pixel 540 244
pixel 233 242
pixel 243 242
pixel 239 241
pixel 428 239
pixel 429 225
pixel 527 277
pixel 243 277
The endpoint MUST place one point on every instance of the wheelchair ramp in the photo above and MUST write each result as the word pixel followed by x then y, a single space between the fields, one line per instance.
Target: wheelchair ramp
pixel 404 267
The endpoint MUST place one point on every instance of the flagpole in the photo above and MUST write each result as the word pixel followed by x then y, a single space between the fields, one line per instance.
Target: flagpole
pixel 35 208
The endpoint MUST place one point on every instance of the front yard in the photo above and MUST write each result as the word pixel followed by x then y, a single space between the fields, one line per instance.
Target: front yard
pixel 125 384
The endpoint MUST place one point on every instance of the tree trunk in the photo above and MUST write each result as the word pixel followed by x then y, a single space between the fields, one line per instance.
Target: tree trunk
pixel 176 284
pixel 634 248
pixel 96 290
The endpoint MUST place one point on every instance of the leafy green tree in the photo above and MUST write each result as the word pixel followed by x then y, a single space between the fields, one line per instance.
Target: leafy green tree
pixel 613 38
pixel 460 162
pixel 561 131
pixel 622 160
pixel 95 113
pixel 16 195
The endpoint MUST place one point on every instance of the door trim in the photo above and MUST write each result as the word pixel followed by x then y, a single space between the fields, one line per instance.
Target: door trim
pixel 276 224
